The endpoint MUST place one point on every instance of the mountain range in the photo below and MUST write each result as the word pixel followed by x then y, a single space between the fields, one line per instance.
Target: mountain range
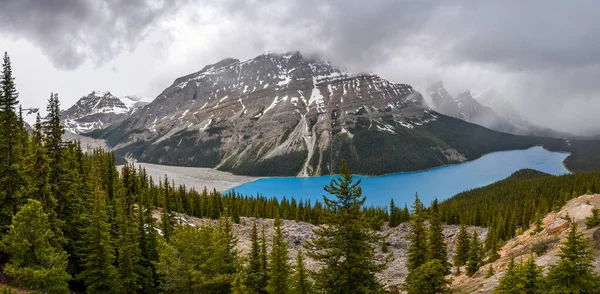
pixel 489 109
pixel 285 114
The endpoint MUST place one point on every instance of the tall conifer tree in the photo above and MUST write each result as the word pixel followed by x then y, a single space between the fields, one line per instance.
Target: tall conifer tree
pixel 574 272
pixel 11 173
pixel 437 246
pixel 279 268
pixel 98 255
pixel 35 263
pixel 418 248
pixel 344 248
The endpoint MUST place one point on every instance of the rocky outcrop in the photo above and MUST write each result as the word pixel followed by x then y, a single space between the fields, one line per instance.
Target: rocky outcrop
pixel 554 231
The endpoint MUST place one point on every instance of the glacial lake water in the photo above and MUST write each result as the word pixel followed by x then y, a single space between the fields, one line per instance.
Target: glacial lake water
pixel 442 182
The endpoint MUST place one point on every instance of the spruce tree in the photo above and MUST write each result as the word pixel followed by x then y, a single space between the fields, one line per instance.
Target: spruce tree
pixel 254 262
pixel 35 263
pixel 437 246
pixel 128 250
pixel 279 268
pixel 264 274
pixel 166 218
pixel 428 278
pixel 300 282
pixel 533 281
pixel 461 255
pixel 509 280
pixel 148 244
pixel 11 173
pixel 344 248
pixel 194 261
pixel 418 248
pixel 394 216
pixel 574 272
pixel 474 260
pixel 524 278
pixel 98 255
pixel 239 285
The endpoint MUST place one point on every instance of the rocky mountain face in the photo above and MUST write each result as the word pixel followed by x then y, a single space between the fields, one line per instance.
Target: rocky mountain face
pixel 98 110
pixel 467 108
pixel 285 114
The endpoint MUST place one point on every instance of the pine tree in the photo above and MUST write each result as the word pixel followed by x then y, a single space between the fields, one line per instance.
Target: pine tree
pixel 418 248
pixel 194 261
pixel 279 268
pixel 394 216
pixel 264 274
pixel 384 246
pixel 35 263
pixel 344 247
pixel 490 273
pixel 166 218
pixel 533 282
pixel 254 262
pixel 437 246
pixel 231 258
pixel 428 278
pixel 53 132
pixel 574 272
pixel 474 261
pixel 239 285
pixel 300 282
pixel 509 280
pixel 461 255
pixel 148 244
pixel 39 169
pixel 98 255
pixel 525 278
pixel 129 255
pixel 11 173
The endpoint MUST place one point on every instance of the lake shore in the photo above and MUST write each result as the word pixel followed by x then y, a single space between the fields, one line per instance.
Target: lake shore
pixel 195 177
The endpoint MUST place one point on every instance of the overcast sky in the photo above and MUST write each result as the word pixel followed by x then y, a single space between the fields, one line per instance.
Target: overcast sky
pixel 543 55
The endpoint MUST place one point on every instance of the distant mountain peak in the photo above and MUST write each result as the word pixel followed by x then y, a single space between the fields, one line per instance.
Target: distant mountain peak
pixel 96 110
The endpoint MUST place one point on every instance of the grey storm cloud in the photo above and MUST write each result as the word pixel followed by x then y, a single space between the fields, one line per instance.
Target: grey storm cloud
pixel 549 50
pixel 70 32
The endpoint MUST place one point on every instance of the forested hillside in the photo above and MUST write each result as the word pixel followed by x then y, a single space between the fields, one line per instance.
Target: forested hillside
pixel 71 222
pixel 516 202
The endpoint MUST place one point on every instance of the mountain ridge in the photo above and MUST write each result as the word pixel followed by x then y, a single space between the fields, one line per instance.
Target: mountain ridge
pixel 97 110
pixel 283 114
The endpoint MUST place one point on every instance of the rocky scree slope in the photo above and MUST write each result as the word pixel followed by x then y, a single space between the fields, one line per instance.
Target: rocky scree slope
pixel 98 110
pixel 555 227
pixel 296 233
pixel 285 114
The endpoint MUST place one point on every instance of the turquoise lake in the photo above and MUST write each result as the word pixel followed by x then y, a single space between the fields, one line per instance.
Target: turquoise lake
pixel 441 183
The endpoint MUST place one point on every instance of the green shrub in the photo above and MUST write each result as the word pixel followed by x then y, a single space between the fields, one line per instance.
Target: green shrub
pixel 541 246
pixel 594 219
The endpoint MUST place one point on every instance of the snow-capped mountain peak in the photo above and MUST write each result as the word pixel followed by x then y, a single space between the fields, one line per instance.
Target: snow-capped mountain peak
pixel 98 109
